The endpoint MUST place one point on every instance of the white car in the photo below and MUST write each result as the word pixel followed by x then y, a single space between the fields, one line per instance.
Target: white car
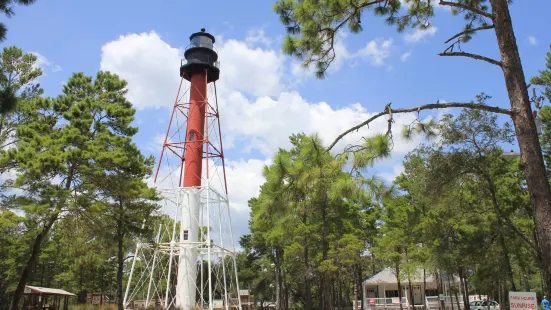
pixel 484 305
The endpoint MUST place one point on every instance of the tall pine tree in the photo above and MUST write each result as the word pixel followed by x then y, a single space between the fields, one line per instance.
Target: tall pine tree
pixel 313 27
pixel 64 146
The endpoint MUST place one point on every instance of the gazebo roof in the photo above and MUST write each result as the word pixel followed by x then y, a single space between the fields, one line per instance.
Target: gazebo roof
pixel 36 290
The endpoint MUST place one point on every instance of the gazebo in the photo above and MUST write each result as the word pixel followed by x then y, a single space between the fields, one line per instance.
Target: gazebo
pixel 43 298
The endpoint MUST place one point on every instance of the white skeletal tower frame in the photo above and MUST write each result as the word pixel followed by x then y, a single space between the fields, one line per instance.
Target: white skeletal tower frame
pixel 191 262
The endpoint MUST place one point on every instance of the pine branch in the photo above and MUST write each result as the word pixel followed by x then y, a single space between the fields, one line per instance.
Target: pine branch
pixel 469 32
pixel 500 212
pixel 430 106
pixel 474 56
pixel 332 32
pixel 465 7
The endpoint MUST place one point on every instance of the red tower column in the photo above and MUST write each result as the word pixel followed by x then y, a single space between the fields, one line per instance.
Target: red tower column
pixel 195 132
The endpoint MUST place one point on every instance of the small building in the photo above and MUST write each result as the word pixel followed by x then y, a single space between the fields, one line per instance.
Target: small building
pixel 247 300
pixel 382 289
pixel 35 297
pixel 86 297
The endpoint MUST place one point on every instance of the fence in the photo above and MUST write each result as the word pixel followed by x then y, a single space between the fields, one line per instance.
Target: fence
pixel 385 303
pixel 450 302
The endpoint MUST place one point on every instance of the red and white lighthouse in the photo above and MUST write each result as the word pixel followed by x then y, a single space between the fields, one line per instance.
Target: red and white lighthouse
pixel 194 256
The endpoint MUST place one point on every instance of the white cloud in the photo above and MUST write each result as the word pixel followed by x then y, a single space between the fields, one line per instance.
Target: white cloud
pixel 251 70
pixel 45 64
pixel 41 60
pixel 257 36
pixel 244 178
pixel 419 34
pixel 290 113
pixel 259 112
pixel 341 52
pixel 405 56
pixel 156 143
pixel 148 64
pixel 376 50
pixel 342 56
pixel 532 40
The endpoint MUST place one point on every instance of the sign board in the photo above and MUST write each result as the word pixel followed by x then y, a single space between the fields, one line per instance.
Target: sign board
pixel 523 301
pixel 371 301
pixel 395 300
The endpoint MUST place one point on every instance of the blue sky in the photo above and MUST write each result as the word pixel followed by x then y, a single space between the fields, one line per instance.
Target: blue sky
pixel 263 96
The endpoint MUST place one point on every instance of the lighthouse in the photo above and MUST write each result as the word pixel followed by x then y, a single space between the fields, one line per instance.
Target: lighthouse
pixel 200 70
pixel 191 263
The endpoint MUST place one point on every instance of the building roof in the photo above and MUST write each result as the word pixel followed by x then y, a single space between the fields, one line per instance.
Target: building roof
pixel 243 292
pixel 387 276
pixel 36 290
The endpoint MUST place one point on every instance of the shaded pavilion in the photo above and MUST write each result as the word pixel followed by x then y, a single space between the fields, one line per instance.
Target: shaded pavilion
pixel 43 298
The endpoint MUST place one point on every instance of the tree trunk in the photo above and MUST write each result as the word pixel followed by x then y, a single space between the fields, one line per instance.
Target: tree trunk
pixel 120 267
pixel 438 282
pixel 463 289
pixel 399 287
pixel 525 128
pixel 411 300
pixel 285 290
pixel 450 291
pixel 34 255
pixel 307 290
pixel 326 291
pixel 507 262
pixel 466 283
pixel 355 302
pixel 361 287
pixel 425 288
pixel 280 291
pixel 339 292
pixel 278 280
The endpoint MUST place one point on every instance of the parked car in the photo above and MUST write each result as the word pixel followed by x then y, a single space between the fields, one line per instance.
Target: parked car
pixel 484 305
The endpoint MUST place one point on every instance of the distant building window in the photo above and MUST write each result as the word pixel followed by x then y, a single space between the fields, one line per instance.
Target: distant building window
pixel 185 235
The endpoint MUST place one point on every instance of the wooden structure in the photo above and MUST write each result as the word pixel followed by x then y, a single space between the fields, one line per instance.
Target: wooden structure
pixel 43 298
pixel 247 300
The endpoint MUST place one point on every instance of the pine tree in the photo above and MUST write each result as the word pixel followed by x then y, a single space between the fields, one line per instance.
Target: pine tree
pixel 10 241
pixel 476 213
pixel 313 27
pixel 18 86
pixel 70 139
pixel 544 115
pixel 124 202
pixel 313 214
pixel 544 79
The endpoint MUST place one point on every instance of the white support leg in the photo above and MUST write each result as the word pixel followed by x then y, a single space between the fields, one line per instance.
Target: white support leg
pixel 172 242
pixel 153 268
pixel 124 301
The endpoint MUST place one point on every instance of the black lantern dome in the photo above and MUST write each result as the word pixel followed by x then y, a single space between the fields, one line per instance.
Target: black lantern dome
pixel 200 56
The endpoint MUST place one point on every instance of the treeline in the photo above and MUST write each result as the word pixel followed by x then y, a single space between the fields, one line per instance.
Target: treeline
pixel 319 227
pixel 73 192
